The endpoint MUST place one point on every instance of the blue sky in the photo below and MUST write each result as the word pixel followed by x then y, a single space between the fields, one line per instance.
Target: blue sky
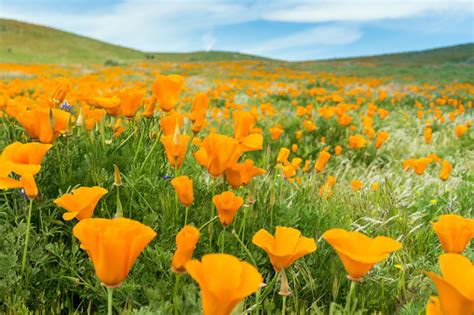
pixel 283 29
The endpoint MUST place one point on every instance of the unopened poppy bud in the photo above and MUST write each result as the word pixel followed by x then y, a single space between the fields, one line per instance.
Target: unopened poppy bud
pixel 117 177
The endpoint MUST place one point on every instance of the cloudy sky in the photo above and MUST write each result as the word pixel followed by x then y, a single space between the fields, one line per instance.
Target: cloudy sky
pixel 284 29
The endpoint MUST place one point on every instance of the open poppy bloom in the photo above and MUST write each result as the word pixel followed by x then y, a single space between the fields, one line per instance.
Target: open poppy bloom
pixel 199 106
pixel 454 232
pixel 113 245
pixel 227 205
pixel 175 147
pixel 446 169
pixel 239 174
pixel 184 188
pixel 81 202
pixel 382 136
pixel 166 89
pixel 460 130
pixel 356 185
pixel 217 152
pixel 59 94
pixel 358 252
pixel 224 281
pixel 44 124
pixel 186 241
pixel 285 247
pixel 130 101
pixel 322 160
pixel 357 142
pixel 22 158
pixel 455 287
pixel 27 182
pixel 168 123
pixel 276 132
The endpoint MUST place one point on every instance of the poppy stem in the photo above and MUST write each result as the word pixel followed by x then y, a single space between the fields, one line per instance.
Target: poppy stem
pixel 283 306
pixel 188 146
pixel 27 237
pixel 139 143
pixel 186 215
pixel 350 297
pixel 208 222
pixel 175 294
pixel 150 152
pixel 245 248
pixel 222 240
pixel 110 292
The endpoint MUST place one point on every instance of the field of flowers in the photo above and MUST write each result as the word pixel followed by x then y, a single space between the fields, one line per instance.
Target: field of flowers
pixel 245 187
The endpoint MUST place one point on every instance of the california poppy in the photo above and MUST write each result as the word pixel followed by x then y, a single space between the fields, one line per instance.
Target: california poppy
pixel 454 232
pixel 276 132
pixel 175 147
pixel 23 158
pixel 382 136
pixel 59 94
pixel 166 89
pixel 356 185
pixel 130 101
pixel 81 202
pixel 224 281
pixel 238 174
pixel 227 205
pixel 455 286
pixel 446 169
pixel 460 130
pixel 358 252
pixel 186 241
pixel 113 245
pixel 217 152
pixel 322 160
pixel 184 189
pixel 338 150
pixel 357 142
pixel 285 247
pixel 199 106
pixel 44 124
pixel 428 134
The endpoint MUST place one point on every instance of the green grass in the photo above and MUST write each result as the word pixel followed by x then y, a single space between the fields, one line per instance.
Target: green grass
pixel 60 278
pixel 28 43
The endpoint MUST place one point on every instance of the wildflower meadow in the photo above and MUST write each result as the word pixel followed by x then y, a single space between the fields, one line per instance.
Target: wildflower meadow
pixel 243 187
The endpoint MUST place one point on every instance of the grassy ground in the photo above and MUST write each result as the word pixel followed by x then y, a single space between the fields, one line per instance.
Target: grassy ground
pixel 59 278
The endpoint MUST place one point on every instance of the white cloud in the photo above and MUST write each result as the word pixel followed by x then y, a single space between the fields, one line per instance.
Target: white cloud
pixel 361 10
pixel 323 35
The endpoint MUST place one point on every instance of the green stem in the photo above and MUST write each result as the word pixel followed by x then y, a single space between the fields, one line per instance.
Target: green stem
pixel 283 306
pixel 188 146
pixel 208 222
pixel 150 152
pixel 139 144
pixel 110 292
pixel 27 237
pixel 223 240
pixel 350 297
pixel 175 294
pixel 186 215
pixel 245 248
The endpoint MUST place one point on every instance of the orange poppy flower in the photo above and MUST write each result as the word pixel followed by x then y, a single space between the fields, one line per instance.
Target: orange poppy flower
pixel 184 189
pixel 276 132
pixel 356 185
pixel 130 101
pixel 358 252
pixel 460 130
pixel 322 160
pixel 239 174
pixel 149 107
pixel 243 123
pixel 283 155
pixel 166 89
pixel 113 245
pixel 455 287
pixel 285 247
pixel 428 134
pixel 44 124
pixel 175 147
pixel 338 150
pixel 224 281
pixel 227 205
pixel 168 123
pixel 454 232
pixel 217 152
pixel 357 142
pixel 186 241
pixel 23 158
pixel 110 104
pixel 81 202
pixel 199 106
pixel 382 136
pixel 446 169
pixel 375 186
pixel 59 94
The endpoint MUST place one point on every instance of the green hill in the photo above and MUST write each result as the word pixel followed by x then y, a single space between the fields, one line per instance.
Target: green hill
pixel 453 54
pixel 29 43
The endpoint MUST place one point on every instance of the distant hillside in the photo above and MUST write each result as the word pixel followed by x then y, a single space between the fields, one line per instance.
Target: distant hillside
pixel 28 43
pixel 452 54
